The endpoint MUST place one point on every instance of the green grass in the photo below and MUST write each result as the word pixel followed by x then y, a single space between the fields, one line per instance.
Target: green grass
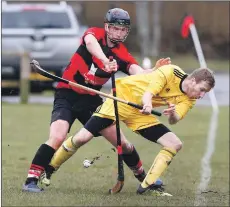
pixel 25 127
pixel 190 62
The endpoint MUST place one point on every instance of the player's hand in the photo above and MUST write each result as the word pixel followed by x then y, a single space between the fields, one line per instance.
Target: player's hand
pixel 147 109
pixel 162 61
pixel 110 66
pixel 170 110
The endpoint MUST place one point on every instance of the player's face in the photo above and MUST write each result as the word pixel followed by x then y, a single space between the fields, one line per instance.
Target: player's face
pixel 198 90
pixel 117 33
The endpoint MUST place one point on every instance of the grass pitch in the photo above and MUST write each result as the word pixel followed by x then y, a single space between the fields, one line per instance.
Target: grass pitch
pixel 25 128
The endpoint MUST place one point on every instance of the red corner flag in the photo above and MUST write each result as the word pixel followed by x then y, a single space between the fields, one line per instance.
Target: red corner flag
pixel 188 20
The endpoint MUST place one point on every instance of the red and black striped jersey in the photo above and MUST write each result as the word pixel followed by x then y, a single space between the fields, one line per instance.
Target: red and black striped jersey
pixel 87 70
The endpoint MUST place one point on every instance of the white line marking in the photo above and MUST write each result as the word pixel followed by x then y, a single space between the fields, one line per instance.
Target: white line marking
pixel 206 170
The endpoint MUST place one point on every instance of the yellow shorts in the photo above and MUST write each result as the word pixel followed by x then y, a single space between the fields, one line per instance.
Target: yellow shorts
pixel 132 117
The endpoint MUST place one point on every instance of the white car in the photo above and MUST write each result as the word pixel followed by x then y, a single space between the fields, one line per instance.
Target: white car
pixel 50 33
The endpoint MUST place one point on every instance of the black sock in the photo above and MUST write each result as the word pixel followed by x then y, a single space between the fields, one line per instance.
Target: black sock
pixel 41 160
pixel 49 169
pixel 133 161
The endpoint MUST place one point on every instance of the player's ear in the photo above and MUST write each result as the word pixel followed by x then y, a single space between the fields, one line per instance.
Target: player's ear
pixel 106 27
pixel 193 80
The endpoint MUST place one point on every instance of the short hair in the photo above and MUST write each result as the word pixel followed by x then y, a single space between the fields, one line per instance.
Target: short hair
pixel 203 74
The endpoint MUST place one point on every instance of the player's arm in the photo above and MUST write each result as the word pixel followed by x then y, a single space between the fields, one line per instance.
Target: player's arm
pixel 159 80
pixel 136 69
pixel 173 117
pixel 147 102
pixel 94 48
pixel 177 112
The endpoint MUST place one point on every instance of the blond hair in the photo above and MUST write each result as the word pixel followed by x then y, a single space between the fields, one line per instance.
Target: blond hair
pixel 203 74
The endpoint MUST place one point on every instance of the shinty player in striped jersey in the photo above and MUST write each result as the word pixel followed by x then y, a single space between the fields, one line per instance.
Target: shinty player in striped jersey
pixel 168 86
pixel 89 66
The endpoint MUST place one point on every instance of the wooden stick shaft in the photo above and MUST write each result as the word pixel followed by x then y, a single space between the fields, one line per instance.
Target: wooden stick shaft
pixel 97 92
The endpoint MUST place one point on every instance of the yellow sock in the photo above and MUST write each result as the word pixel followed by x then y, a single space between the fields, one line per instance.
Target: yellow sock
pixel 161 162
pixel 63 153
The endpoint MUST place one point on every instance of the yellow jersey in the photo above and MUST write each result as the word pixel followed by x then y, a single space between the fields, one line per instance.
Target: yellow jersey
pixel 165 83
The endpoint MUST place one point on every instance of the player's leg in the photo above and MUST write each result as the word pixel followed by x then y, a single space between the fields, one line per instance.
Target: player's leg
pixel 61 121
pixel 108 130
pixel 91 129
pixel 171 145
pixel 130 154
pixel 68 148
pixel 58 132
pixel 84 110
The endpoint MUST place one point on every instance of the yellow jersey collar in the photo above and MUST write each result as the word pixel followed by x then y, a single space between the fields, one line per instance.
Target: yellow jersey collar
pixel 185 76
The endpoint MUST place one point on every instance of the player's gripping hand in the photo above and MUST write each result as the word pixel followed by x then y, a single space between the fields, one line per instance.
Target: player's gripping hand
pixel 147 109
pixel 110 66
pixel 161 62
pixel 170 110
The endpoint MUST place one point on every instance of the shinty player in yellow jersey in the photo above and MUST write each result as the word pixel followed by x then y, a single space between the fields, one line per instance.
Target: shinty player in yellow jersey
pixel 168 86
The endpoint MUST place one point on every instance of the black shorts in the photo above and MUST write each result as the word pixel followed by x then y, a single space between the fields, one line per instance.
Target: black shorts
pixel 96 124
pixel 153 133
pixel 69 105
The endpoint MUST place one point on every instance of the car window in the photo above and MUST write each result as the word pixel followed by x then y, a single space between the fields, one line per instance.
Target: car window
pixel 35 19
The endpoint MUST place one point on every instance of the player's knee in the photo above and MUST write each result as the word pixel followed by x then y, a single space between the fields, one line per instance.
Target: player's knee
pixel 58 132
pixel 60 139
pixel 55 140
pixel 178 145
pixel 57 137
pixel 175 144
pixel 170 140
